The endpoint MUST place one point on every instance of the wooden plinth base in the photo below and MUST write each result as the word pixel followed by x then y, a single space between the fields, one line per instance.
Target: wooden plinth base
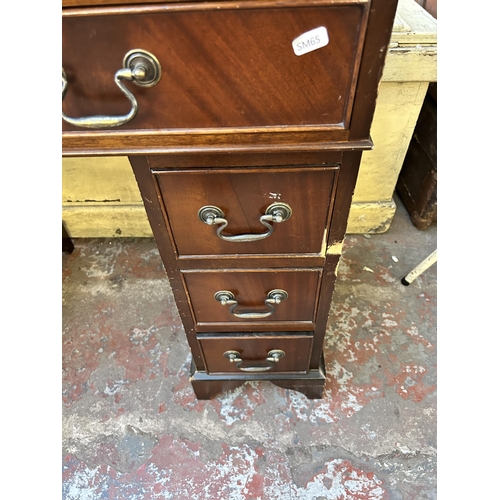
pixel 206 386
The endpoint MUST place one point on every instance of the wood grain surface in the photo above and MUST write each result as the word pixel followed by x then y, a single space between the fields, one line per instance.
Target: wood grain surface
pixel 243 195
pixel 250 288
pixel 254 349
pixel 220 68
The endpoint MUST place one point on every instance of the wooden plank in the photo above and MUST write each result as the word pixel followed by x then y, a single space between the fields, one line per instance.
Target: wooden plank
pixel 371 218
pixel 98 181
pixel 415 64
pixel 397 111
pixel 107 221
pixel 415 15
pixel 423 27
pixel 400 25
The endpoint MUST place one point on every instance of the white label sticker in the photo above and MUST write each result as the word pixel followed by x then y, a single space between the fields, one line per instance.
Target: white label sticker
pixel 311 40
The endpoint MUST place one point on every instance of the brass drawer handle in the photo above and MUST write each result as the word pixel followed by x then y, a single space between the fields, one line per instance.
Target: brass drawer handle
pixel 139 67
pixel 273 357
pixel 274 297
pixel 276 212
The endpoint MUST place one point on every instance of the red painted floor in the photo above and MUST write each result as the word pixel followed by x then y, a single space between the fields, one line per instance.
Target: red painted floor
pixel 132 428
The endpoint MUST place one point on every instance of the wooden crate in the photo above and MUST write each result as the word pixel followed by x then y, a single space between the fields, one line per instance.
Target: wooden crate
pixel 417 182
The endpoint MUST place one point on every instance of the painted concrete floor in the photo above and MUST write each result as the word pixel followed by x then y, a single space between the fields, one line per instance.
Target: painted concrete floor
pixel 133 430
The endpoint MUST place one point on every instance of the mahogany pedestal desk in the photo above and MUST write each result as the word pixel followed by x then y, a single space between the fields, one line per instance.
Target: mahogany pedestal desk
pixel 244 122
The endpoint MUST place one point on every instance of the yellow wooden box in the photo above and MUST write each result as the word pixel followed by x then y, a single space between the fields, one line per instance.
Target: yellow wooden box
pixel 100 197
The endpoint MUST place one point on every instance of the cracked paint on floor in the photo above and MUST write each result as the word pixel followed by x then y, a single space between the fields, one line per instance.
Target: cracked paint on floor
pixel 133 429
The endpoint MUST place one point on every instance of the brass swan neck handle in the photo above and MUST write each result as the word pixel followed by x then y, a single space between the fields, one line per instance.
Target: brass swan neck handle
pixel 139 67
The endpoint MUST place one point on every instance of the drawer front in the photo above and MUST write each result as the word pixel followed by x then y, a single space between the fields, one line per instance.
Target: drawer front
pixel 244 196
pixel 251 290
pixel 258 353
pixel 230 67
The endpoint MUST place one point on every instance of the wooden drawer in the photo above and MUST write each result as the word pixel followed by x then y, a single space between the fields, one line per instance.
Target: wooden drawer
pixel 253 350
pixel 225 66
pixel 244 196
pixel 251 289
